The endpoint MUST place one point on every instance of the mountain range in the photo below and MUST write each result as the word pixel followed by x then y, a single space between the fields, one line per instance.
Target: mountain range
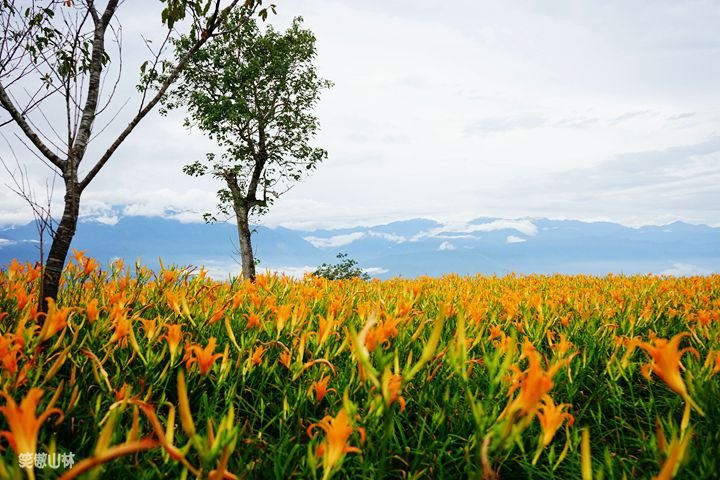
pixel 406 248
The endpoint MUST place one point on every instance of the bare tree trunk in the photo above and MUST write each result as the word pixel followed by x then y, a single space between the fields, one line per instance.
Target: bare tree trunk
pixel 61 244
pixel 246 254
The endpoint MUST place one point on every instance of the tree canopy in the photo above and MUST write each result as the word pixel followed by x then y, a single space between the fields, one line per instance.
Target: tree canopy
pixel 253 92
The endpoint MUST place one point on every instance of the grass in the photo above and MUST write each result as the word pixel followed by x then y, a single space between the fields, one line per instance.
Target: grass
pixel 427 378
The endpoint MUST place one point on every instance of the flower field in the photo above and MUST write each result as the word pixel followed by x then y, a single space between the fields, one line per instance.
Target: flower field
pixel 170 374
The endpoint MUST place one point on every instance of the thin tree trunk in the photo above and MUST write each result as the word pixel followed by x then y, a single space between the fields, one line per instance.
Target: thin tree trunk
pixel 246 253
pixel 60 245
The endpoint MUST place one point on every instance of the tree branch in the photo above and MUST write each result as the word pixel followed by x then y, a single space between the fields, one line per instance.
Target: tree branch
pixel 213 24
pixel 8 105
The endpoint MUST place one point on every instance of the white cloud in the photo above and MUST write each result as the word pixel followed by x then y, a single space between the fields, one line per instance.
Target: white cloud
pixel 464 229
pixel 335 241
pixel 457 236
pixel 348 238
pixel 523 226
pixel 106 219
pixel 295 272
pixel 514 239
pixel 621 85
pixel 685 270
pixel 446 246
pixel 375 270
pixel 219 270
pixel 387 236
pixel 4 242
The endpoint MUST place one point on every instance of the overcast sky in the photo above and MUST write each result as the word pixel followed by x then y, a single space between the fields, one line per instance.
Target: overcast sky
pixel 453 110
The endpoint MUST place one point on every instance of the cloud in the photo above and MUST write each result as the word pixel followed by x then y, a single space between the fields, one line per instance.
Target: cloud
pixel 375 270
pixel 682 116
pixel 336 240
pixel 503 124
pixel 348 238
pixel 4 242
pixel 654 164
pixel 514 239
pixel 220 270
pixel 456 236
pixel 414 81
pixel 512 120
pixel 169 203
pixel 634 188
pixel 387 236
pixel 106 219
pixel 628 116
pixel 446 246
pixel 295 272
pixel 523 226
pixel 464 229
pixel 685 270
pixel 578 122
pixel 527 122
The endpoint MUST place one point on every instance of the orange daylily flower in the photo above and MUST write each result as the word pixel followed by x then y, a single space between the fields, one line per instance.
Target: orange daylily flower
pixel 21 296
pixel 123 393
pixel 204 357
pixel 9 350
pixel 169 276
pixel 285 359
pixel 24 425
pixel 337 432
pixel 713 357
pixel 214 317
pixel 255 300
pixel 79 256
pixel 261 281
pixel 394 385
pixel 89 265
pixel 666 363
pixel 150 327
pixel 91 310
pixel 381 333
pixel 283 314
pixel 177 302
pixel 122 324
pixel 15 269
pixel 55 319
pixel 237 300
pixel 256 357
pixel 253 320
pixel 173 337
pixel 321 389
pixel 551 417
pixel 534 383
pixel 495 332
pixel 563 346
pixel 325 327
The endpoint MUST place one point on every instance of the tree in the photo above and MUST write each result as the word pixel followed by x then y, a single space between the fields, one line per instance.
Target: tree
pixel 345 269
pixel 57 49
pixel 254 94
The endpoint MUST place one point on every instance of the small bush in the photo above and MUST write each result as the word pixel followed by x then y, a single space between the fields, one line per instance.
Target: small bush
pixel 345 269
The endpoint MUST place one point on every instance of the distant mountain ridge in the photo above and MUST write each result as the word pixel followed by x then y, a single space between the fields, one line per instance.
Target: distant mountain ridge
pixel 408 248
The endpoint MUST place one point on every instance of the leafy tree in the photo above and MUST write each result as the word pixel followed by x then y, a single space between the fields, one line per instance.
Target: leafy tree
pixel 346 268
pixel 57 53
pixel 254 93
